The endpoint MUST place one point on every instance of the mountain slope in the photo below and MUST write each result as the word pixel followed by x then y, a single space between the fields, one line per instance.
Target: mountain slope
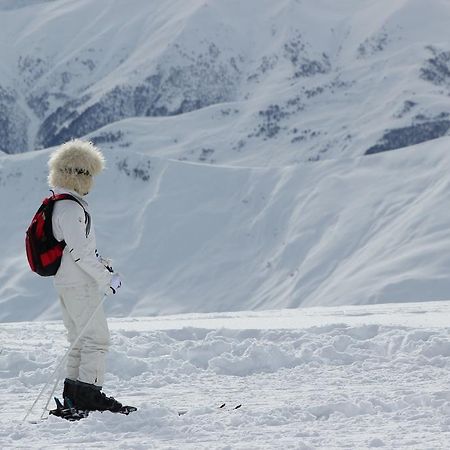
pixel 235 135
pixel 294 81
pixel 193 237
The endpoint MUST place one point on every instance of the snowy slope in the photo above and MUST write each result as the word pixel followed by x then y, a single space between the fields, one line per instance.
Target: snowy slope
pixel 234 134
pixel 236 192
pixel 204 238
pixel 285 81
pixel 360 377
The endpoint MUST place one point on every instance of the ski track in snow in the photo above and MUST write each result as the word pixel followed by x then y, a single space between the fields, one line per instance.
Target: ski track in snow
pixel 361 377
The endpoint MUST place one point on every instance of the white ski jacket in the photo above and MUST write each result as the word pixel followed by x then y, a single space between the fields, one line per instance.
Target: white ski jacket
pixel 80 264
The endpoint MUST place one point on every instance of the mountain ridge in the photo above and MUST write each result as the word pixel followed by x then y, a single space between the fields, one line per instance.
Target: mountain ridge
pixel 290 67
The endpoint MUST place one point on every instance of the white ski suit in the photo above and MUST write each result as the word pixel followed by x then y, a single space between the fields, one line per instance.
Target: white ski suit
pixel 81 282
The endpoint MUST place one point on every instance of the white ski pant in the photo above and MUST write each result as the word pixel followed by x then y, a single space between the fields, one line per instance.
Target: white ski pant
pixel 86 361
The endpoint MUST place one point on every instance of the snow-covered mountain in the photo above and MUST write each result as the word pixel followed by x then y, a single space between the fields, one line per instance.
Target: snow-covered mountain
pixel 248 174
pixel 273 82
pixel 200 238
pixel 237 136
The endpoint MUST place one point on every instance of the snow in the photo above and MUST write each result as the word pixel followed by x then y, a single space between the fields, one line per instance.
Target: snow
pixel 314 378
pixel 200 238
pixel 266 262
pixel 318 80
pixel 258 197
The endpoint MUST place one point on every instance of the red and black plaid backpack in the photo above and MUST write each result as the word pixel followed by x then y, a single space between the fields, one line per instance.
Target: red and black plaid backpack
pixel 44 252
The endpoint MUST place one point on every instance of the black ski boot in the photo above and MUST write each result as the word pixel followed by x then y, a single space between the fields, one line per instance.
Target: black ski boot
pixel 80 398
pixel 90 397
pixel 69 392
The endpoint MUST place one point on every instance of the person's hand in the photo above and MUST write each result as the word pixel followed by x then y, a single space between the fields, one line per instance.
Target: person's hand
pixel 116 283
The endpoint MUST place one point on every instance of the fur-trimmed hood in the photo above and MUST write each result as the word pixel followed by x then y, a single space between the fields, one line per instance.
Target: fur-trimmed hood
pixel 74 165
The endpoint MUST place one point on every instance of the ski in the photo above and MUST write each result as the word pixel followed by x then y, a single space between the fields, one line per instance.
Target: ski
pixel 222 406
pixel 72 414
pixel 67 412
pixel 127 410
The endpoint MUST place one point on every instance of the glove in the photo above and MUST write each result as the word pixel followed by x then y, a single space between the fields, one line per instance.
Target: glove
pixel 116 283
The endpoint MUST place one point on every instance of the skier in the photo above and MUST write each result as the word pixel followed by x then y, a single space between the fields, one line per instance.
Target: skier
pixel 83 277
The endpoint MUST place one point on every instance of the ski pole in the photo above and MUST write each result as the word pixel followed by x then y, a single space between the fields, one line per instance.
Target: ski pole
pixel 57 380
pixel 61 362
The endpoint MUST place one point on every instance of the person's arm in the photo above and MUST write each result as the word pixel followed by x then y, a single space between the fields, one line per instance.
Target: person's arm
pixel 72 223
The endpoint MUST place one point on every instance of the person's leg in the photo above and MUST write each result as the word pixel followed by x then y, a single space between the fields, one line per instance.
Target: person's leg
pixel 74 357
pixel 80 304
pixel 95 342
pixel 86 362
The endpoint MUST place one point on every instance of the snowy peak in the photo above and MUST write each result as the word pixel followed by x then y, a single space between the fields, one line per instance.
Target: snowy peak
pixel 317 79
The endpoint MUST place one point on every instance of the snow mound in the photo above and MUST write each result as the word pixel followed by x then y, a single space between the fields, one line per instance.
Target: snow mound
pixel 333 385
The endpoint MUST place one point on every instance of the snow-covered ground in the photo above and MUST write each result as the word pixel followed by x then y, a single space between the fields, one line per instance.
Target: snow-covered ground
pixel 234 134
pixel 352 377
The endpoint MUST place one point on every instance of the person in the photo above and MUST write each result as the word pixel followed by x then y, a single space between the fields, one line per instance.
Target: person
pixel 83 278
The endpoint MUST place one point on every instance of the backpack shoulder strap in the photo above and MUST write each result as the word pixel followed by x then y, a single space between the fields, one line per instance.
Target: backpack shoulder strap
pixel 57 197
pixel 87 217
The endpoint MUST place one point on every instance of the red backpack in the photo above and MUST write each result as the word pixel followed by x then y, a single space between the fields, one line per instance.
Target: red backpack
pixel 44 252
